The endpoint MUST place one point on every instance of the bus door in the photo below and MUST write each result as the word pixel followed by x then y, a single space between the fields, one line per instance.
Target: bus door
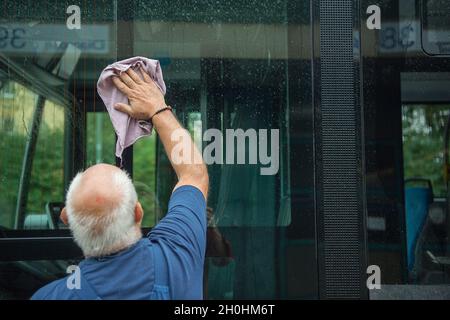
pixel 406 97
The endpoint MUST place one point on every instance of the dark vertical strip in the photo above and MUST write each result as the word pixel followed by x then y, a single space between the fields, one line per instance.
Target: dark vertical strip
pixel 339 187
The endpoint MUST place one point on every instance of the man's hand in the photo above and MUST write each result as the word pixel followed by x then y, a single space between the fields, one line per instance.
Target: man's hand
pixel 143 94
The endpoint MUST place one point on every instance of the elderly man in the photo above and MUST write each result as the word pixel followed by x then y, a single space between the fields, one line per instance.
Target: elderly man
pixel 104 215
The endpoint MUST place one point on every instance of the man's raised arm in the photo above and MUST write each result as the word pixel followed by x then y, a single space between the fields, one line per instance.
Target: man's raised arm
pixel 146 102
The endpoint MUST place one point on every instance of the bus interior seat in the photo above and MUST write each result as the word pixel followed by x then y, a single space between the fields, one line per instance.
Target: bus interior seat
pixel 48 220
pixel 426 222
pixel 436 258
pixel 36 221
pixel 417 202
pixel 428 265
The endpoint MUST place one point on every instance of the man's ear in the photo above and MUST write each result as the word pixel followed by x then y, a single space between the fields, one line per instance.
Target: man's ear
pixel 138 213
pixel 63 216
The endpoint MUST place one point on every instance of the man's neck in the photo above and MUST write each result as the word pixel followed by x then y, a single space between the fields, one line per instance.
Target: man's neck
pixel 127 242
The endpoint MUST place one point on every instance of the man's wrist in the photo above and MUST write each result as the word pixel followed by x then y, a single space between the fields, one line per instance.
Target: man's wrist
pixel 160 110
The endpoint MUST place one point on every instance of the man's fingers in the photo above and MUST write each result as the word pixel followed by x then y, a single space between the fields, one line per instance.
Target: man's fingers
pixel 121 85
pixel 146 76
pixel 123 107
pixel 154 84
pixel 133 75
pixel 149 80
pixel 127 80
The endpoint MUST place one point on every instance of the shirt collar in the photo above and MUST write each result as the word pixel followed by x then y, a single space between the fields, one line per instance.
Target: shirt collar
pixel 117 254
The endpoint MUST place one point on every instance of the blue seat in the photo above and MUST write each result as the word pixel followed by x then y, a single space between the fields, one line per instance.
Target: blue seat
pixel 417 202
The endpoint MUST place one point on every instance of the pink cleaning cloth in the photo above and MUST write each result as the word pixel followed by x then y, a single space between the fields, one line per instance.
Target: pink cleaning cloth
pixel 128 130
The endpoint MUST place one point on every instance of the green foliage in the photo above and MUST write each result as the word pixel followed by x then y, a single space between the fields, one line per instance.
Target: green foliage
pixel 47 176
pixel 423 143
pixel 144 177
pixel 10 166
pixel 100 139
pixel 46 180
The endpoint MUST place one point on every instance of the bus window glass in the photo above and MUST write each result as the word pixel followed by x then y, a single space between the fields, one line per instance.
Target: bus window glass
pixel 101 141
pixel 16 105
pixel 144 178
pixel 222 80
pixel 407 108
pixel 239 79
pixel 435 27
pixel 46 185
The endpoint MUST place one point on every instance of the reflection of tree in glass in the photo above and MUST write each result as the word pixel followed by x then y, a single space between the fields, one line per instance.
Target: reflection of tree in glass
pixel 144 177
pixel 100 139
pixel 149 201
pixel 46 179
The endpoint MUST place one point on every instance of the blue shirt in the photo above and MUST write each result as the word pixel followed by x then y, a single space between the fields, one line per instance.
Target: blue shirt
pixel 167 264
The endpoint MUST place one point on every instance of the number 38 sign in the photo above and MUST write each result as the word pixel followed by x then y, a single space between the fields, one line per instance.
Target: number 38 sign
pixel 393 37
pixel 37 38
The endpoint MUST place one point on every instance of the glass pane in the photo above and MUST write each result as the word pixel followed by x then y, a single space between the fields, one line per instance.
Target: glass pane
pixel 48 72
pixel 20 279
pixel 423 143
pixel 220 77
pixel 101 139
pixel 426 184
pixel 47 174
pixel 227 71
pixel 33 132
pixel 436 30
pixel 407 108
pixel 17 105
pixel 144 178
pixel 244 66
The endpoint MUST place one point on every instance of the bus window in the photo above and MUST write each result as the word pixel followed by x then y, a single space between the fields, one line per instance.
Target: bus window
pixel 228 70
pixel 33 173
pixel 424 128
pixel 224 80
pixel 243 71
pixel 17 106
pixel 407 107
pixel 426 189
pixel 47 173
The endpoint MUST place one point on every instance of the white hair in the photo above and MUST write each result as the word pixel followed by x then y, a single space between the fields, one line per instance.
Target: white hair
pixel 102 234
